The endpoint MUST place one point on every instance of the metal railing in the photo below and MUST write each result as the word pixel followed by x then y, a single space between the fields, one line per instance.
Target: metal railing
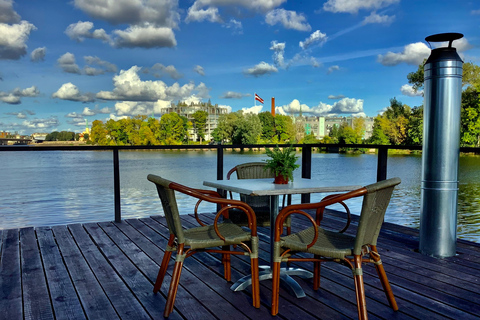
pixel 306 158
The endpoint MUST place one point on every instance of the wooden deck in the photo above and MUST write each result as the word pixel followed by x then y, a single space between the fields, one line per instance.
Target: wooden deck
pixel 106 271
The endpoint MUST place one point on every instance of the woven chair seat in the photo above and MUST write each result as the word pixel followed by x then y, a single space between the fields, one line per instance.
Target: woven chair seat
pixel 329 243
pixel 206 237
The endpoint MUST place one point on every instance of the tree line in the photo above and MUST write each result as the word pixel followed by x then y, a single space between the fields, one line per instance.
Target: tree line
pixel 399 124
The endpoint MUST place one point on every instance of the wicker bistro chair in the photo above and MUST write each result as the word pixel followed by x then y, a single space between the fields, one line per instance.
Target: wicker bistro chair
pixel 334 246
pixel 259 204
pixel 205 238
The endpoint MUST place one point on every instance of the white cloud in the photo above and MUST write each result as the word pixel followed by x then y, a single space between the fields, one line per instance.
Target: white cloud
pixel 253 109
pixel 41 123
pixel 129 87
pixel 69 91
pixel 159 12
pixel 199 69
pixel 10 99
pixel 68 64
pixel 344 106
pixel 289 19
pixel 81 30
pixel 159 71
pixel 7 14
pixel 408 90
pixel 353 6
pixel 295 106
pixel 260 69
pixel 279 52
pixel 316 37
pixel 413 54
pixel 348 105
pixel 333 97
pixel 376 18
pixel 148 36
pixel 332 69
pixel 132 108
pixel 235 25
pixel 234 95
pixel 101 66
pixel 38 54
pixel 209 10
pixel 14 96
pixel 13 40
pixel 197 13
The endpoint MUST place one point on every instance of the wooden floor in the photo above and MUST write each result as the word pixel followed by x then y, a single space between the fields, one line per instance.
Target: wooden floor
pixel 106 271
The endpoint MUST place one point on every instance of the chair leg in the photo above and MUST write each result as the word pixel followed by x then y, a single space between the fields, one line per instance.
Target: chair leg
pixel 383 278
pixel 226 263
pixel 163 267
pixel 255 282
pixel 275 287
pixel 172 292
pixel 316 273
pixel 360 288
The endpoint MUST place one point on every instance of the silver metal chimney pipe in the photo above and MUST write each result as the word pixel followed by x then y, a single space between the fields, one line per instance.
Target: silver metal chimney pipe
pixel 441 148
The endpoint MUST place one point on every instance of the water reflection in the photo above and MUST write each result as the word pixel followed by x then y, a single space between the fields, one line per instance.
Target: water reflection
pixel 50 188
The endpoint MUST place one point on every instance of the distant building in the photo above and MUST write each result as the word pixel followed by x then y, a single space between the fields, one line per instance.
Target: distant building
pixel 322 126
pixel 81 136
pixel 214 112
pixel 39 136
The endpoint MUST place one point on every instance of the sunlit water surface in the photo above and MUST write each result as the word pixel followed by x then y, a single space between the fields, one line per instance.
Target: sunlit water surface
pixel 46 188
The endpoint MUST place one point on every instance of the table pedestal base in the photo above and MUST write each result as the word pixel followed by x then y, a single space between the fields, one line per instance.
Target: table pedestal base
pixel 286 280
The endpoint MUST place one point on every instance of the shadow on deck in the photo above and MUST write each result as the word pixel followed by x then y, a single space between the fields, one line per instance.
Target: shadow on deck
pixel 106 271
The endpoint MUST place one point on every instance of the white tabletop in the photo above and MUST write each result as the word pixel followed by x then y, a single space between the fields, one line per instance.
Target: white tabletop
pixel 264 187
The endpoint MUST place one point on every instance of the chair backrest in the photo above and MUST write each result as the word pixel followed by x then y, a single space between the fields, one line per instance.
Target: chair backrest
pixel 375 203
pixel 169 203
pixel 253 170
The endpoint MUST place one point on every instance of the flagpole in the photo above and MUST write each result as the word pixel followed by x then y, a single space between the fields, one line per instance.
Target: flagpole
pixel 254 98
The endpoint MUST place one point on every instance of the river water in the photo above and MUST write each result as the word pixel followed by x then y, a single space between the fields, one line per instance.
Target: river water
pixel 46 188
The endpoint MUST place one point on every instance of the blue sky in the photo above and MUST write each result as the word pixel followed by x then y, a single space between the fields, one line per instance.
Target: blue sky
pixel 65 62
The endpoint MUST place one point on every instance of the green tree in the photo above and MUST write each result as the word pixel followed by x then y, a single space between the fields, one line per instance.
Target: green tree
pixel 268 125
pixel 52 136
pixel 225 127
pixel 378 135
pixel 199 123
pixel 247 129
pixel 98 133
pixel 172 129
pixel 415 127
pixel 470 119
pixel 284 128
pixel 309 138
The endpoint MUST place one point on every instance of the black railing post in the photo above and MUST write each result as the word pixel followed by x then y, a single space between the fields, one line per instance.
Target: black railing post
pixel 382 163
pixel 116 183
pixel 220 172
pixel 220 163
pixel 306 169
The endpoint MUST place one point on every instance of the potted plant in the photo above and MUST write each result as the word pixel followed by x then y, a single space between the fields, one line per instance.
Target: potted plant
pixel 282 162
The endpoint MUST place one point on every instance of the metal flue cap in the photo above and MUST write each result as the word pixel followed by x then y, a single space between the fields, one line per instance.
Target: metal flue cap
pixel 443 53
pixel 442 37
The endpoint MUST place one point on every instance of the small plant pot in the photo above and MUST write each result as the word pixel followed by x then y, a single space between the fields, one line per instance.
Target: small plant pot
pixel 280 179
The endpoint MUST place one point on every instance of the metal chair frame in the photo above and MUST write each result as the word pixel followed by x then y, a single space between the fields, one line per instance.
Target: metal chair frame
pixel 333 246
pixel 186 242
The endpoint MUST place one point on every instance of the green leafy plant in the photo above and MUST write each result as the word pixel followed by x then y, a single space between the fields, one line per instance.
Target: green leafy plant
pixel 282 161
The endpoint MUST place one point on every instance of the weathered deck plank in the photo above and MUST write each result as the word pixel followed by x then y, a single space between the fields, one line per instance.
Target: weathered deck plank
pixel 34 287
pixel 107 270
pixel 10 276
